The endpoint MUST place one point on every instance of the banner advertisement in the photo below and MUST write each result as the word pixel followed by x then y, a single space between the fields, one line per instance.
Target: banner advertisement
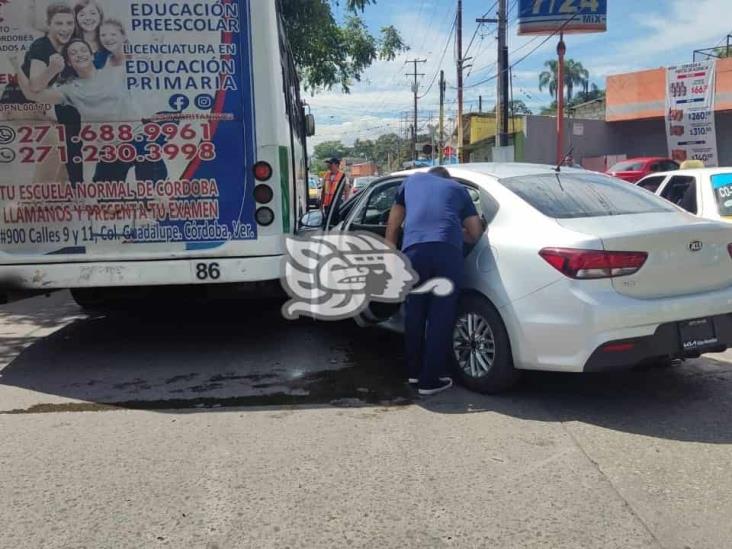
pixel 690 126
pixel 567 16
pixel 125 126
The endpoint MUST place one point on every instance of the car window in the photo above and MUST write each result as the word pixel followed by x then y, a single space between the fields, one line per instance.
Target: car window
pixel 669 166
pixel 565 196
pixel 378 205
pixel 681 190
pixel 627 166
pixel 722 185
pixel 656 167
pixel 651 183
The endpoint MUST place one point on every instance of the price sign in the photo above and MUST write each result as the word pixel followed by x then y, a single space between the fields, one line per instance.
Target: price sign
pixel 568 16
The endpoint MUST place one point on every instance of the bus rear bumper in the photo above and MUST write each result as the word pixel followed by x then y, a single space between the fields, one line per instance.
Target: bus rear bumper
pixel 141 273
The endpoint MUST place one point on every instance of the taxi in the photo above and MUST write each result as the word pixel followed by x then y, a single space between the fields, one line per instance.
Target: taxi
pixel 704 192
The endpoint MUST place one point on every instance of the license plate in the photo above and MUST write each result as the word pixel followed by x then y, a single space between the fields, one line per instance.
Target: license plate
pixel 697 335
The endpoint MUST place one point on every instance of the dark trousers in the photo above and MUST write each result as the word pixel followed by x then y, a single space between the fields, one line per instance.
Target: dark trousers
pixel 430 319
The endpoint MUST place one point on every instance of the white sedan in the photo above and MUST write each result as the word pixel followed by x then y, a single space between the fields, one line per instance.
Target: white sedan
pixel 577 272
pixel 705 192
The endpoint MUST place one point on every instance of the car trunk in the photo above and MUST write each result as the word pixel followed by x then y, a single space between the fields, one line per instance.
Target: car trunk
pixel 685 255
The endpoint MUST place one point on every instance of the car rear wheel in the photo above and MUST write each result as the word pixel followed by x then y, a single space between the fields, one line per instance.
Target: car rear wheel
pixel 482 358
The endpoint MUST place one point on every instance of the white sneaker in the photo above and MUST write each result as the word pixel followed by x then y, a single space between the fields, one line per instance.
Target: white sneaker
pixel 442 386
pixel 415 381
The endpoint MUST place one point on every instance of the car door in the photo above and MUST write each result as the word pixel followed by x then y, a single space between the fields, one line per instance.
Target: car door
pixel 683 191
pixel 372 215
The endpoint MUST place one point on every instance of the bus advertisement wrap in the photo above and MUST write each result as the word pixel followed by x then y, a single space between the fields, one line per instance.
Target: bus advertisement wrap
pixel 126 126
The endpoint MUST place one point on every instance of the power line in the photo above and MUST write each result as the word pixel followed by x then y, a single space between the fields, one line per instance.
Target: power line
pixel 478 27
pixel 442 59
pixel 527 55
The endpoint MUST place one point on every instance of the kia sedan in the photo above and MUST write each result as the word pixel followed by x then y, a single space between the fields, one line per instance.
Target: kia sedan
pixel 577 272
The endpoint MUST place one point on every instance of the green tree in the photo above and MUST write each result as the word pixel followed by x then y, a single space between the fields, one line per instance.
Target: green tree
pixel 517 108
pixel 363 148
pixel 575 75
pixel 330 54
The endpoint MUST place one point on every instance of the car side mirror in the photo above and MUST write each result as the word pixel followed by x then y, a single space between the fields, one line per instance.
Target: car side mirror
pixel 313 220
pixel 309 125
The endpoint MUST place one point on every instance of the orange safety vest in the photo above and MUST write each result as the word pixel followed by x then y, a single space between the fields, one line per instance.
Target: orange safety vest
pixel 332 180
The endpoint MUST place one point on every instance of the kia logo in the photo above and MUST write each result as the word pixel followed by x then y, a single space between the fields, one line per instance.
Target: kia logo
pixel 695 246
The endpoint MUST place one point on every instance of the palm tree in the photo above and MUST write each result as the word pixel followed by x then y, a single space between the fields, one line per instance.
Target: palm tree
pixel 574 75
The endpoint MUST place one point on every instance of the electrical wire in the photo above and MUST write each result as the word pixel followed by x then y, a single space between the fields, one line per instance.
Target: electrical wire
pixel 493 77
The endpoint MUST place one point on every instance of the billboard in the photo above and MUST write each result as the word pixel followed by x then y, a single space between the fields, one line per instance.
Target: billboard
pixel 125 126
pixel 690 125
pixel 568 16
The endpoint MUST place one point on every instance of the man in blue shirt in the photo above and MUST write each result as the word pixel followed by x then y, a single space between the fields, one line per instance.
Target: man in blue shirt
pixel 438 216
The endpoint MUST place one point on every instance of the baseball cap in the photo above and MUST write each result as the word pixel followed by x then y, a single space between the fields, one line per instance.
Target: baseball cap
pixel 333 161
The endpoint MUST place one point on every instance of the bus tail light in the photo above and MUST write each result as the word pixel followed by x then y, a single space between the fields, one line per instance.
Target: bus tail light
pixel 264 217
pixel 262 171
pixel 263 194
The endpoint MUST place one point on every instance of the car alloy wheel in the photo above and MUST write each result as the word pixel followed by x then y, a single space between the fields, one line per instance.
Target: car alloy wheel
pixel 474 345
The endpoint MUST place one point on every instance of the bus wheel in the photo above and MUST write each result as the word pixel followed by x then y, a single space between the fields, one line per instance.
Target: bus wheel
pixel 90 299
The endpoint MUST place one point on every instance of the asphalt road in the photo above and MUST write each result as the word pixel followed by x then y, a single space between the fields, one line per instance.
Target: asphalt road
pixel 222 427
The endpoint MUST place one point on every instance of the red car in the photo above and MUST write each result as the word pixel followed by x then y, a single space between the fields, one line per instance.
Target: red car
pixel 635 169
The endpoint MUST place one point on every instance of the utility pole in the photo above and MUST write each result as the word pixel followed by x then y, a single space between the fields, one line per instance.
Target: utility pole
pixel 480 103
pixel 503 77
pixel 460 61
pixel 443 87
pixel 561 51
pixel 415 90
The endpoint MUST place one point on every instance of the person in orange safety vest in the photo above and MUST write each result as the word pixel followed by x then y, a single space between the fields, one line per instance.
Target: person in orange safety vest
pixel 331 181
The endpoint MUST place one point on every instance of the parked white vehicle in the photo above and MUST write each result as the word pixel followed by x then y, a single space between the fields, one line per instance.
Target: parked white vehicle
pixel 577 272
pixel 705 192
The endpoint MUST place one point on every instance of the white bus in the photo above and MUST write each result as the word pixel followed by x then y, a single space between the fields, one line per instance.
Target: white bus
pixel 147 144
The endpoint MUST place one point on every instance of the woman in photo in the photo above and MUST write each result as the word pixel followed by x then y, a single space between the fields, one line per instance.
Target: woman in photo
pixel 89 17
pixel 112 37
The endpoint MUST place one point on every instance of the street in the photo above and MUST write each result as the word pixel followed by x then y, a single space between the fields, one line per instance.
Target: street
pixel 215 427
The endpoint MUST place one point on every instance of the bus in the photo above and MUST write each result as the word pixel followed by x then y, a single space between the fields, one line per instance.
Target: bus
pixel 146 144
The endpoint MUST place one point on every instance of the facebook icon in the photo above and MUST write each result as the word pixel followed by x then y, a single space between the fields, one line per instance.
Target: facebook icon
pixel 179 102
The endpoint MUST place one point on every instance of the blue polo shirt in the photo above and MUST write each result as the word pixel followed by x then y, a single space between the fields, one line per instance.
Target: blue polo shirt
pixel 436 208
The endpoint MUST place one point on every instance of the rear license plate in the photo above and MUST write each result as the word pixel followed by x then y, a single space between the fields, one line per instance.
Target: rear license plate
pixel 698 335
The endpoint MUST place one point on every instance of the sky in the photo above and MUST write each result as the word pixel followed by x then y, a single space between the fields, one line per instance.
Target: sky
pixel 642 34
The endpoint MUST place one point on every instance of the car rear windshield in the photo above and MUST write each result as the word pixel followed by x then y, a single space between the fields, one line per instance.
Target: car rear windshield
pixel 566 196
pixel 722 185
pixel 627 167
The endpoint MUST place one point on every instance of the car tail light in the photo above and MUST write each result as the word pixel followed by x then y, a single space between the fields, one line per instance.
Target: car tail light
pixel 262 171
pixel 591 264
pixel 618 347
pixel 263 194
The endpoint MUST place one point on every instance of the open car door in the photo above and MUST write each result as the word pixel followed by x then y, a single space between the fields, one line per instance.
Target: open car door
pixel 371 215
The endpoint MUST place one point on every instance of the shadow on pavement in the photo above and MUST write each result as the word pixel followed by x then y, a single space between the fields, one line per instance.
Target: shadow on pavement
pixel 245 354
pixel 241 354
pixel 690 402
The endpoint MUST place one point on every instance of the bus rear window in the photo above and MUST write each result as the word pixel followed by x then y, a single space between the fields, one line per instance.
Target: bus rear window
pixel 566 196
pixel 722 185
